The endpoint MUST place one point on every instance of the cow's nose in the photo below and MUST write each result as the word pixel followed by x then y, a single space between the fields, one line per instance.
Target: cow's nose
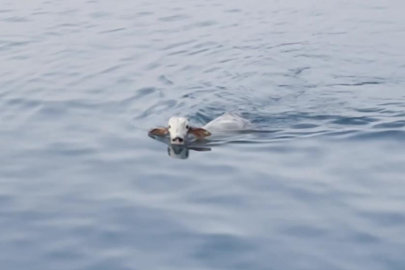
pixel 178 139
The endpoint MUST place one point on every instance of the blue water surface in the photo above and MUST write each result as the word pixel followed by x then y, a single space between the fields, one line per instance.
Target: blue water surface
pixel 319 184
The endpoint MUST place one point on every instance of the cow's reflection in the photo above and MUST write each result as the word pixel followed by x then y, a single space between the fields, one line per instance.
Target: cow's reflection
pixel 183 151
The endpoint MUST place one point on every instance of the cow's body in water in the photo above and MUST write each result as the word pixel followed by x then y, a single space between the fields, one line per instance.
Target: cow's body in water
pixel 179 129
pixel 227 122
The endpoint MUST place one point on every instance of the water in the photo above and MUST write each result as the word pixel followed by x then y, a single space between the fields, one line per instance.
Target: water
pixel 319 185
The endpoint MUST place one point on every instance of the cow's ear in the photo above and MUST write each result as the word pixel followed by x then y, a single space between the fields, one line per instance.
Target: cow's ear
pixel 158 131
pixel 199 133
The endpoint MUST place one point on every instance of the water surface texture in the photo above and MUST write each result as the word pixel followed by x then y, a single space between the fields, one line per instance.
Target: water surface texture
pixel 319 185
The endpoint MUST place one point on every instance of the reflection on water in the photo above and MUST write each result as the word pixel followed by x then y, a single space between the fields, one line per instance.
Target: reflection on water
pixel 183 151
